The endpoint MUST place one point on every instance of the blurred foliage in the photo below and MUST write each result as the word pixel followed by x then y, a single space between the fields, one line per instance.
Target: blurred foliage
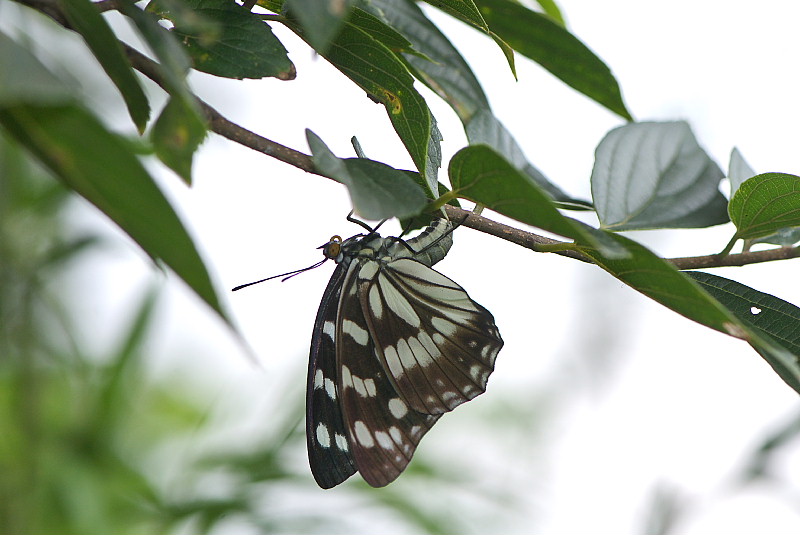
pixel 86 438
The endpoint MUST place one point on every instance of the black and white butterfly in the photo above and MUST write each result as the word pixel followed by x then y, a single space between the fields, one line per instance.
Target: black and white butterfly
pixel 395 345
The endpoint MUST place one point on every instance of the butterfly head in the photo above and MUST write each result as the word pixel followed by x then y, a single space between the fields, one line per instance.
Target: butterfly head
pixel 333 249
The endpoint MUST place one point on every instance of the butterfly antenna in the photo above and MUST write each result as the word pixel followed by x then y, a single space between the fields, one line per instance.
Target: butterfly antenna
pixel 286 276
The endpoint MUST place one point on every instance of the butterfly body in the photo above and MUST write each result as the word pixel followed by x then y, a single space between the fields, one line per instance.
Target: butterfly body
pixel 395 345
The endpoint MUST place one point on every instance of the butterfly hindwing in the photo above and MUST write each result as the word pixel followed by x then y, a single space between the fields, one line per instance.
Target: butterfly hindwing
pixel 437 344
pixel 328 450
pixel 383 431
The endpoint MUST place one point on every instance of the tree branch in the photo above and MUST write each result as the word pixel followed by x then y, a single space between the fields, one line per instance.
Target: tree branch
pixel 531 241
pixel 232 131
pixel 224 127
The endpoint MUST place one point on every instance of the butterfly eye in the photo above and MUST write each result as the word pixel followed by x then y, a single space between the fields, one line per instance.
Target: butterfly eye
pixel 332 249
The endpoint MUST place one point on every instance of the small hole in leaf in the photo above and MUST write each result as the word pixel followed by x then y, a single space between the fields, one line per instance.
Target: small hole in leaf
pixel 755 311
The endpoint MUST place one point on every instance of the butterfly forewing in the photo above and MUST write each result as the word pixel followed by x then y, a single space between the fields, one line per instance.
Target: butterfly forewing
pixel 328 450
pixel 383 430
pixel 437 344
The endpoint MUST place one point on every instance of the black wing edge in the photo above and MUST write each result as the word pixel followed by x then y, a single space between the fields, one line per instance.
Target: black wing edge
pixel 330 465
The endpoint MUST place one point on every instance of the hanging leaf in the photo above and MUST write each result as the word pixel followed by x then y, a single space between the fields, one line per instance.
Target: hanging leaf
pixel 376 190
pixel 656 175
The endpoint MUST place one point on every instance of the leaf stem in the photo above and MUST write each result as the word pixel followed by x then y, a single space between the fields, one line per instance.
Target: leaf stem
pixel 729 247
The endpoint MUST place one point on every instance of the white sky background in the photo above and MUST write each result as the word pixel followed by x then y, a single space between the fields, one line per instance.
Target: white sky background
pixel 636 396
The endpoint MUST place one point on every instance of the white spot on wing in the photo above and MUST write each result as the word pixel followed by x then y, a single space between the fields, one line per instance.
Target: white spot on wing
pixel 475 371
pixel 358 384
pixel 347 379
pixel 363 435
pixel 398 303
pixel 393 360
pixel 447 328
pixel 428 344
pixel 422 356
pixel 319 379
pixel 369 386
pixel 375 304
pixel 341 442
pixel 395 433
pixel 383 440
pixel 330 388
pixel 406 355
pixel 329 329
pixel 356 332
pixel 368 270
pixel 323 436
pixel 398 408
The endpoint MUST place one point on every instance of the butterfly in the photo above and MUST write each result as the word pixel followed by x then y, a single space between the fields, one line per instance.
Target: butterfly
pixel 395 345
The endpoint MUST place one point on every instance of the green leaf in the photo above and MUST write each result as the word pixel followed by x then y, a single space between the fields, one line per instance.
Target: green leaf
pixel 100 166
pixel 26 80
pixel 655 175
pixel 774 319
pixel 480 174
pixel 377 70
pixel 177 133
pixel 738 172
pixel 485 129
pixel 321 19
pixel 377 191
pixel 438 63
pixel 765 204
pixel 549 44
pixel 225 39
pixel 84 17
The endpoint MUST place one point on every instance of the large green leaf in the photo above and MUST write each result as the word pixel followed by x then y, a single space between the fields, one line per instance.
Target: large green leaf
pixel 656 175
pixel 549 44
pixel 480 174
pixel 771 318
pixel 225 39
pixel 439 64
pixel 87 21
pixel 100 166
pixel 376 190
pixel 384 77
pixel 765 204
